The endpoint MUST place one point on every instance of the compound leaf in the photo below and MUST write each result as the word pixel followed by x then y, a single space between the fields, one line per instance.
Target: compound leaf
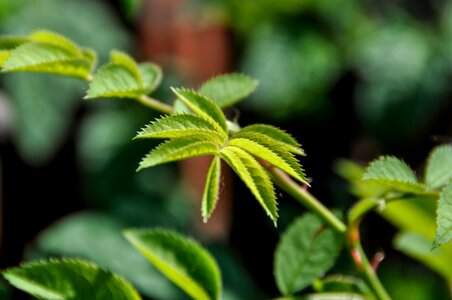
pixel 306 251
pixel 439 167
pixel 212 188
pixel 227 89
pixel 69 279
pixel 254 177
pixel 178 149
pixel 203 107
pixel 284 139
pixel 395 173
pixel 180 259
pixel 178 126
pixel 444 217
pixel 271 153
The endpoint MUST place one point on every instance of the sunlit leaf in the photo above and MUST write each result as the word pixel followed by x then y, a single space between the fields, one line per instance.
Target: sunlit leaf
pixel 439 167
pixel 393 172
pixel 178 149
pixel 52 38
pixel 151 75
pixel 306 251
pixel 212 188
pixel 254 176
pixel 69 279
pixel 444 217
pixel 181 260
pixel 227 89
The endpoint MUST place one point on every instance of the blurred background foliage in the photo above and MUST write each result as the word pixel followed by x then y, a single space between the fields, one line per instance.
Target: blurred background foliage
pixel 349 79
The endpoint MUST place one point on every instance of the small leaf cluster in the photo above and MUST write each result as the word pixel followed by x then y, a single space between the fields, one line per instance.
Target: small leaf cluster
pixel 205 132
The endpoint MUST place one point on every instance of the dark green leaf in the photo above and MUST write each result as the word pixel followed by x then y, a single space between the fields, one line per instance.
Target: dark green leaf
pixel 212 188
pixel 254 176
pixel 439 167
pixel 227 89
pixel 178 149
pixel 278 135
pixel 393 172
pixel 180 259
pixel 444 217
pixel 69 279
pixel 305 252
pixel 203 107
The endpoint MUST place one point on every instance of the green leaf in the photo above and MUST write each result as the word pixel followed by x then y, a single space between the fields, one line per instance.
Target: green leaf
pixel 179 126
pixel 305 252
pixel 69 279
pixel 123 59
pixel 212 188
pixel 181 259
pixel 12 42
pixel 419 248
pixel 269 151
pixel 444 217
pixel 52 38
pixel 178 149
pixel 203 107
pixel 152 76
pixel 227 89
pixel 395 173
pixel 439 167
pixel 280 136
pixel 49 58
pixel 254 177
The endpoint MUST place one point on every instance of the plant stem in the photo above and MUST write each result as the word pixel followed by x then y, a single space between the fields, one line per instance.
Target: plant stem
pixel 155 104
pixel 306 199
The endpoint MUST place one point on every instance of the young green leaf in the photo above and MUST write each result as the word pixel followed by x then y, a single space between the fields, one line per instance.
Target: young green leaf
pixel 227 89
pixel 69 279
pixel 179 126
pixel 123 59
pixel 178 149
pixel 306 251
pixel 395 173
pixel 284 139
pixel 180 259
pixel 52 38
pixel 254 176
pixel 212 188
pixel 203 107
pixel 271 153
pixel 439 167
pixel 7 44
pixel 152 76
pixel 444 217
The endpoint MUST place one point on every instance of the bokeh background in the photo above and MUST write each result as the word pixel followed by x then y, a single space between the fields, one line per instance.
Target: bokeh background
pixel 350 79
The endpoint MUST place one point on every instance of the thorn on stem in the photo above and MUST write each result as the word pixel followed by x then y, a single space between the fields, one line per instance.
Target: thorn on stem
pixel 377 259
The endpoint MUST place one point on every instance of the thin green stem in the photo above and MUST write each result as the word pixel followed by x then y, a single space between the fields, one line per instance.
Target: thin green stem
pixel 155 104
pixel 300 194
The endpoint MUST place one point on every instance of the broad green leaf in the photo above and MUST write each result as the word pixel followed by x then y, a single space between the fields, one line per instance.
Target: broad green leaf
pixel 48 58
pixel 227 89
pixel 444 217
pixel 69 279
pixel 123 59
pixel 52 38
pixel 113 80
pixel 179 126
pixel 271 153
pixel 420 248
pixel 254 177
pixel 306 251
pixel 439 167
pixel 283 138
pixel 203 107
pixel 178 149
pixel 212 188
pixel 395 173
pixel 151 75
pixel 181 259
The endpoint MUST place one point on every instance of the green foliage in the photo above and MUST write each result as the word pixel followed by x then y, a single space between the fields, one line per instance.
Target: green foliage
pixel 212 188
pixel 182 260
pixel 122 77
pixel 439 167
pixel 225 90
pixel 48 52
pixel 444 217
pixel 305 252
pixel 69 279
pixel 394 173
